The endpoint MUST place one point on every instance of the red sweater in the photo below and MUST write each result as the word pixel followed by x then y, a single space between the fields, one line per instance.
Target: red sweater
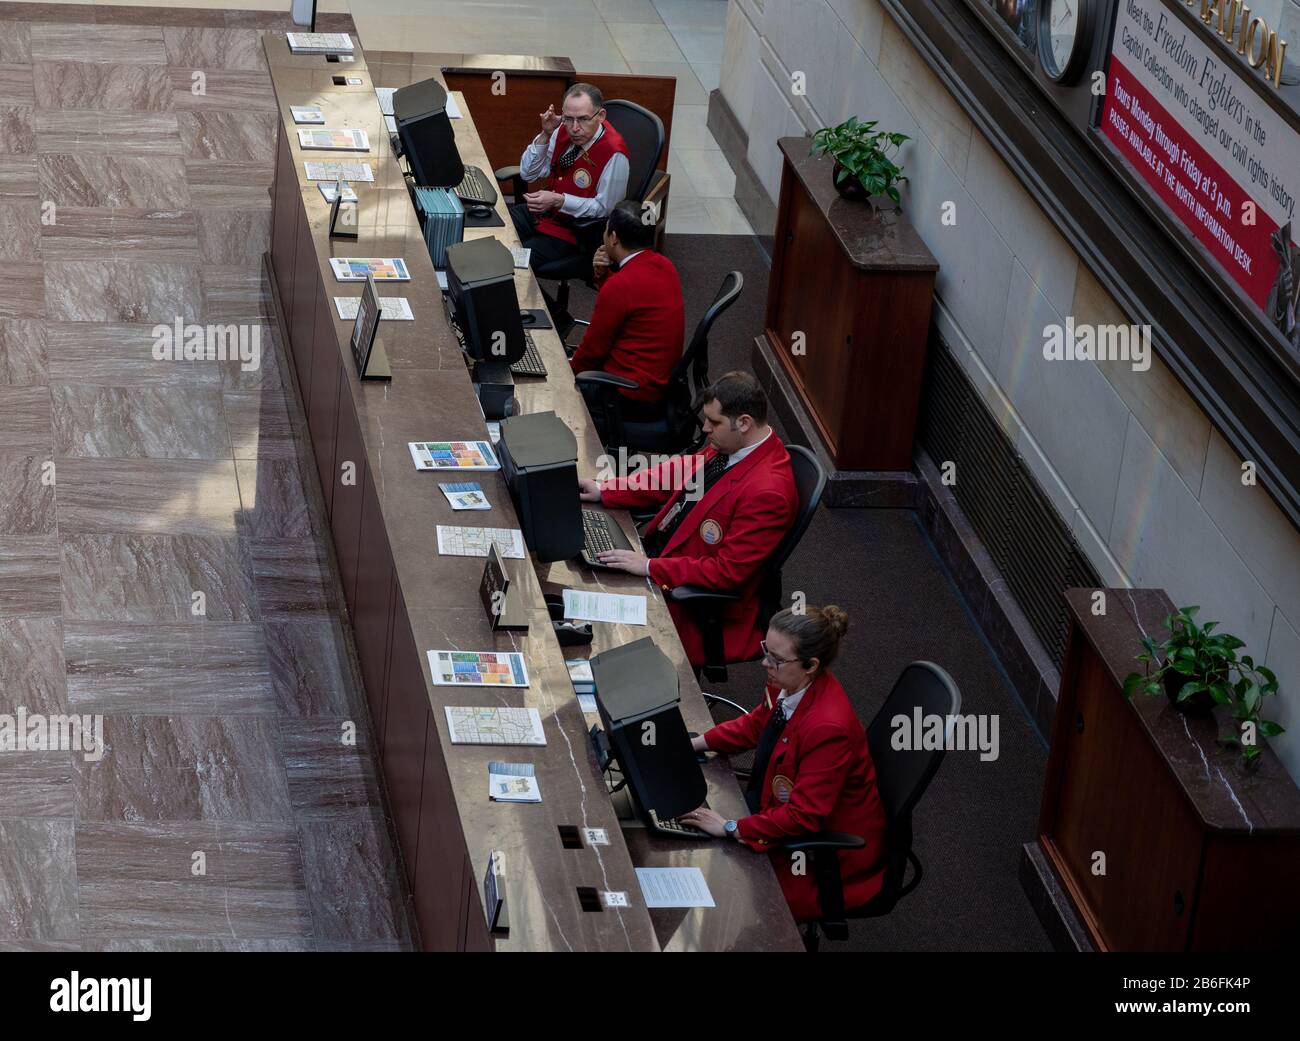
pixel 638 325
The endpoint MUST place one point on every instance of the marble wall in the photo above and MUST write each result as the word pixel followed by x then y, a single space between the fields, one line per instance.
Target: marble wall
pixel 1150 489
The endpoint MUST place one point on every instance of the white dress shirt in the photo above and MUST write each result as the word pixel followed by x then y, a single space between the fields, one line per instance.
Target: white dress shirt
pixel 736 457
pixel 787 703
pixel 611 189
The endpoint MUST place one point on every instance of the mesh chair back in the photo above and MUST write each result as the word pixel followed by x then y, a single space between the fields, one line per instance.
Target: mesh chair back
pixel 809 482
pixel 644 133
pixel 903 774
pixel 695 359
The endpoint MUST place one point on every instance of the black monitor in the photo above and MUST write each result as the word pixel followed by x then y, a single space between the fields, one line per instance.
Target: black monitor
pixel 428 141
pixel 539 459
pixel 646 738
pixel 481 283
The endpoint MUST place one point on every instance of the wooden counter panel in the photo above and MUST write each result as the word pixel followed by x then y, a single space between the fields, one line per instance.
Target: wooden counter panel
pixel 372 615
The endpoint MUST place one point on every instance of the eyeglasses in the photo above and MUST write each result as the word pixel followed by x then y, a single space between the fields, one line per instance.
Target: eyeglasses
pixel 573 121
pixel 771 660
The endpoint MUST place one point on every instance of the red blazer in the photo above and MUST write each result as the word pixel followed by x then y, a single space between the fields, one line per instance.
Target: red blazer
pixel 823 753
pixel 637 326
pixel 724 542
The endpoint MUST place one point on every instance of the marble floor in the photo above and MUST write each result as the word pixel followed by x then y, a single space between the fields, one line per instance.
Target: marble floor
pixel 164 561
pixel 680 38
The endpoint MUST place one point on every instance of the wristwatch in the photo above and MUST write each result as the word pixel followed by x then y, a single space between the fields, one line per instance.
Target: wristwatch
pixel 732 830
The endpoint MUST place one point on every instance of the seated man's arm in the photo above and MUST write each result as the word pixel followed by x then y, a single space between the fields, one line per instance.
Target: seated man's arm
pixel 611 189
pixel 757 528
pixel 824 760
pixel 652 486
pixel 536 161
pixel 607 319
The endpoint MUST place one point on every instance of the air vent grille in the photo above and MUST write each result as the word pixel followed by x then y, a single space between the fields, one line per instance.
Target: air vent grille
pixel 1029 542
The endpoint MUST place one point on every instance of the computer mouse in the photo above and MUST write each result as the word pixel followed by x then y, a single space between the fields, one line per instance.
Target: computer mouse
pixel 481 212
pixel 572 634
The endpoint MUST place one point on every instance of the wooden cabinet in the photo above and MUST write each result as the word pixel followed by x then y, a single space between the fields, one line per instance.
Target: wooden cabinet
pixel 848 314
pixel 1160 838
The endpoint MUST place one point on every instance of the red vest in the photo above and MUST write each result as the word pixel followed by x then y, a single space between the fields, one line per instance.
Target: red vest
pixel 581 179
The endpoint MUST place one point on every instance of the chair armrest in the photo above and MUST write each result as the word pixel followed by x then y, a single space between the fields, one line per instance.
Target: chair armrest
pixel 826 840
pixel 712 699
pixel 658 194
pixel 698 596
pixel 516 178
pixel 640 517
pixel 607 379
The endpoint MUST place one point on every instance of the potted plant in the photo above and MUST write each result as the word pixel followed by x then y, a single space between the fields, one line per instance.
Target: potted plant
pixel 1197 668
pixel 864 165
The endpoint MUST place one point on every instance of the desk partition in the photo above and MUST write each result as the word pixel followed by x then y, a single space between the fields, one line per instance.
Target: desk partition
pixel 405 599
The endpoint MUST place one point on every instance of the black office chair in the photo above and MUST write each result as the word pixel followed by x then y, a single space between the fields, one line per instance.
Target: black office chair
pixel 643 133
pixel 680 423
pixel 902 776
pixel 706 605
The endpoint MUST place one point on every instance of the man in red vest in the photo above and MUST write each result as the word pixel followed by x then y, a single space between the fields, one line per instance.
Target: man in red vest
pixel 722 513
pixel 584 162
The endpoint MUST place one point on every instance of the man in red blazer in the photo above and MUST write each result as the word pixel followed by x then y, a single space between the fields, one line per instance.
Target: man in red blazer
pixel 638 324
pixel 723 512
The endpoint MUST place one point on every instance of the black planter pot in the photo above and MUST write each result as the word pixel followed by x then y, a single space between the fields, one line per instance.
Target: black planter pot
pixel 1199 704
pixel 850 188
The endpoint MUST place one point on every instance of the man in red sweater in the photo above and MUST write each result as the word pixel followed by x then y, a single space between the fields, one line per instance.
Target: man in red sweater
pixel 639 321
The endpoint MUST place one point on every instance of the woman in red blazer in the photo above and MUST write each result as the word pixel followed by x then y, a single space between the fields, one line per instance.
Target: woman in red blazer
pixel 818 775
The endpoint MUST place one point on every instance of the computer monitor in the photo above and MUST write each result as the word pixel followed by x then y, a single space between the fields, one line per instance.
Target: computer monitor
pixel 428 141
pixel 481 283
pixel 645 736
pixel 539 460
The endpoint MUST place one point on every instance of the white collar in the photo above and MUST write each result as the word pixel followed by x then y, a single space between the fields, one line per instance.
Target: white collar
pixel 736 457
pixel 789 702
pixel 629 257
pixel 594 139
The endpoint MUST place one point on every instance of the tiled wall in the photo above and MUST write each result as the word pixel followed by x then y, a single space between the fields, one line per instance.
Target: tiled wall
pixel 1152 491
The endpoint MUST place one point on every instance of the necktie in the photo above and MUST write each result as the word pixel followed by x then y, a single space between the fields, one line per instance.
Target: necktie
pixel 570 156
pixel 713 470
pixel 762 756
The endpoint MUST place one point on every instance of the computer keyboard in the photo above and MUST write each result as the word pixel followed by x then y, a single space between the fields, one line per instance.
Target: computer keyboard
pixel 596 538
pixel 531 363
pixel 477 187
pixel 599 535
pixel 673 828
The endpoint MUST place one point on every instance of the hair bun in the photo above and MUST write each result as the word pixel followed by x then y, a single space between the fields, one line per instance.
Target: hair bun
pixel 837 620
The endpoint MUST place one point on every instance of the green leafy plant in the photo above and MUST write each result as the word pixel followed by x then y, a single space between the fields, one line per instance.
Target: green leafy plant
pixel 1207 663
pixel 863 153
